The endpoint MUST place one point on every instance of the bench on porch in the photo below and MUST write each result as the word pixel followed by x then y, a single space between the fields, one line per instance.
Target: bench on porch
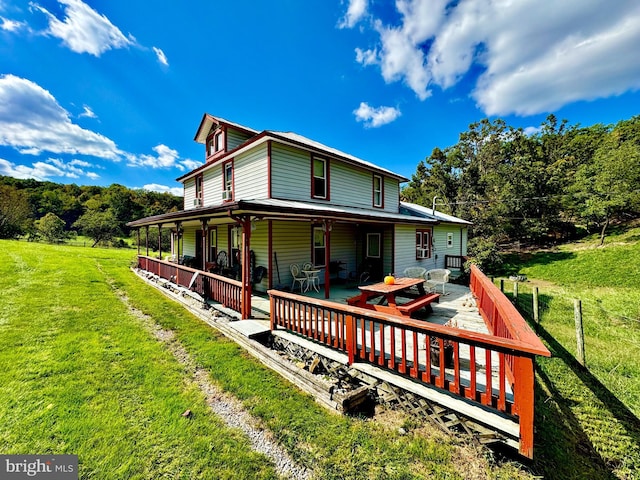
pixel 418 303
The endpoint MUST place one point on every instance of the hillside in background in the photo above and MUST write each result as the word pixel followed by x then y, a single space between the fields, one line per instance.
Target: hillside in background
pixel 555 185
pixel 30 207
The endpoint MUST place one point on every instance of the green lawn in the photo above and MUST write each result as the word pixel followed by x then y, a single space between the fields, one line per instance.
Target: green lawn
pixel 590 413
pixel 80 374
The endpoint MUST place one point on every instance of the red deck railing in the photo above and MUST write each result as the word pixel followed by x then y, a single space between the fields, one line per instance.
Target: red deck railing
pixel 223 290
pixel 416 349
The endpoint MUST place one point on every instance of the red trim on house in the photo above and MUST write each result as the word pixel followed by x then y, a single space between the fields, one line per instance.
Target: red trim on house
pixel 302 146
pixel 429 246
pixel 269 170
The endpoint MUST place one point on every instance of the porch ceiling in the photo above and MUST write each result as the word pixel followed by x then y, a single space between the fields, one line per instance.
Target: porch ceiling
pixel 284 210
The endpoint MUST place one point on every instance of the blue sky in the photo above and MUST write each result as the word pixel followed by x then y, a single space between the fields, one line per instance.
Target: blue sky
pixel 96 93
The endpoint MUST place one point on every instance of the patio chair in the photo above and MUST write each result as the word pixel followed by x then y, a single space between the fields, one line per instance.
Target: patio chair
pixel 437 276
pixel 414 272
pixel 298 277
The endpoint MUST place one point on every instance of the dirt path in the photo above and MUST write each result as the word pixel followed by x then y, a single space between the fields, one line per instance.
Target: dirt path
pixel 225 406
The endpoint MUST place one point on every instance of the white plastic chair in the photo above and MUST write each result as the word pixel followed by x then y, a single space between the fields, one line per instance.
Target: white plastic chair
pixel 298 277
pixel 437 276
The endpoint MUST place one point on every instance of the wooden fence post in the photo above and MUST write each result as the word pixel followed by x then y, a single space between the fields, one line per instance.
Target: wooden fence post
pixel 502 285
pixel 515 293
pixel 536 307
pixel 577 313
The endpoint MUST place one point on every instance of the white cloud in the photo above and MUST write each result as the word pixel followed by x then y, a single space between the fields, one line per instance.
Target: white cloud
pixel 162 58
pixel 11 25
pixel 530 130
pixel 191 164
pixel 367 57
pixel 165 158
pixel 88 113
pixel 84 30
pixel 534 56
pixel 375 117
pixel 356 10
pixel 51 168
pixel 154 187
pixel 32 121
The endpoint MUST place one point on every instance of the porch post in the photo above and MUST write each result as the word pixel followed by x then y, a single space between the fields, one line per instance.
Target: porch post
pixel 205 240
pixel 178 237
pixel 146 238
pixel 246 266
pixel 138 237
pixel 160 241
pixel 327 225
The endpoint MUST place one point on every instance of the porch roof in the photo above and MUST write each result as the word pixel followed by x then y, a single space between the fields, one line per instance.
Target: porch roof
pixel 287 209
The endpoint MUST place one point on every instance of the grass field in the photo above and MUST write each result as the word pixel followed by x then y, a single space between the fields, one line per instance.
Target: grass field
pixel 587 418
pixel 80 374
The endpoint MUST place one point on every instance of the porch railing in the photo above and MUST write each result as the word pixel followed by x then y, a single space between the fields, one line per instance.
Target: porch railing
pixel 454 261
pixel 221 289
pixel 416 349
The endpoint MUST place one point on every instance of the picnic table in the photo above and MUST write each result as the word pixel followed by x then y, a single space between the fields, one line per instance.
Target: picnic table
pixel 389 293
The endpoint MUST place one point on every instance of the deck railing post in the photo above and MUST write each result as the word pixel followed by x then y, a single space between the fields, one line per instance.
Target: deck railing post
pixel 523 399
pixel 350 325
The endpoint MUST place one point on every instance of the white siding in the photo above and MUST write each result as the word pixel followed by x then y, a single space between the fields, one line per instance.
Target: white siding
pixel 440 239
pixel 405 250
pixel 260 246
pixel 235 138
pixel 251 174
pixel 290 173
pixel 343 248
pixel 387 252
pixel 212 186
pixel 391 195
pixel 189 242
pixel 292 244
pixel 348 185
pixel 189 193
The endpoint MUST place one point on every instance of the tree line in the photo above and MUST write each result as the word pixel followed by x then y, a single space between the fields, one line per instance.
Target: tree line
pixel 53 211
pixel 556 184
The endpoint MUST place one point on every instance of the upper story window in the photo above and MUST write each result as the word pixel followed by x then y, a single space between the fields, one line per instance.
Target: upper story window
pixel 199 191
pixel 378 191
pixel 320 183
pixel 227 187
pixel 215 143
pixel 423 244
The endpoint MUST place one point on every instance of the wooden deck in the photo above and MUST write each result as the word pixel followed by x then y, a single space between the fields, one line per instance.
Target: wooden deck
pixel 489 378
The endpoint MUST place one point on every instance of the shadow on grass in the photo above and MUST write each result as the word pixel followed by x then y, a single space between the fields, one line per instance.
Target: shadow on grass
pixel 513 262
pixel 565 446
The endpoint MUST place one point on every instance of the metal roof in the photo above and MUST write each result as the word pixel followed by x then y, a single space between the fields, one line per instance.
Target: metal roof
pixel 288 209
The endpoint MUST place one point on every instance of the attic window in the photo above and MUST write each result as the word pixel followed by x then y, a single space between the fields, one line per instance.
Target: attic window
pixel 218 141
pixel 215 143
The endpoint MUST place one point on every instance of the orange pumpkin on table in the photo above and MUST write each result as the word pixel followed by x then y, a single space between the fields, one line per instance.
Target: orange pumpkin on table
pixel 389 280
